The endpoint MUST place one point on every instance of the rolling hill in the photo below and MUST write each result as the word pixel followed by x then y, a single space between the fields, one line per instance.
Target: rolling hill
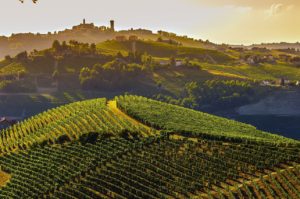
pixel 164 50
pixel 87 33
pixel 134 147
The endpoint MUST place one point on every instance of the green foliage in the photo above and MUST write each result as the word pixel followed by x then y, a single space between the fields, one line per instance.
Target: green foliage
pixel 142 168
pixel 13 70
pixel 221 94
pixel 61 139
pixel 22 57
pixel 113 75
pixel 179 119
pixel 90 149
pixel 56 46
pixel 90 137
pixel 71 120
pixel 159 49
pixel 10 86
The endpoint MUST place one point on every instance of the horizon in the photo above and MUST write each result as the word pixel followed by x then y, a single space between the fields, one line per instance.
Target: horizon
pixel 154 32
pixel 218 21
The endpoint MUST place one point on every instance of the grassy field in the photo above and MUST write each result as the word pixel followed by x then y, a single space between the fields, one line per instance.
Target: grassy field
pixel 262 72
pixel 159 49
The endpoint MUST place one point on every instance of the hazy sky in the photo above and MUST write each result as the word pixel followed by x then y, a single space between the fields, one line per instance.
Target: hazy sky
pixel 221 21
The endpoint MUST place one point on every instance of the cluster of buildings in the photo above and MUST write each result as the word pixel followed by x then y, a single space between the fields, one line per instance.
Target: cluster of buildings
pixel 92 26
pixel 177 62
pixel 280 82
pixel 125 38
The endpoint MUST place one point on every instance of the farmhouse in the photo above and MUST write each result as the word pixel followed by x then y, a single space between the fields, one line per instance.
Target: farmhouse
pixel 121 38
pixel 133 38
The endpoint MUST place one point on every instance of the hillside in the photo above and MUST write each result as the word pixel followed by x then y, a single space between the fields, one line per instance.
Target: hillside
pixel 87 33
pixel 281 45
pixel 128 148
pixel 164 50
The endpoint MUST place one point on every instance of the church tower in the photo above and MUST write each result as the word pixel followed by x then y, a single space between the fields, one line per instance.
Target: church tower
pixel 112 25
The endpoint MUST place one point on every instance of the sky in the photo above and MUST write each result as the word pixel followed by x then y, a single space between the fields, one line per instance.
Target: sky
pixel 220 21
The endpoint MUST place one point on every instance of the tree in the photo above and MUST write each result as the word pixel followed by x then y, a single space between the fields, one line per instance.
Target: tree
pixel 146 59
pixel 186 61
pixel 8 58
pixel 85 74
pixel 93 48
pixel 55 75
pixel 119 55
pixel 64 45
pixel 56 46
pixel 23 56
pixel 159 39
pixel 34 1
pixel 172 61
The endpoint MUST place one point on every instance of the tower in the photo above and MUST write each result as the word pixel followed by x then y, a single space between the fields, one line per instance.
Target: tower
pixel 83 21
pixel 112 25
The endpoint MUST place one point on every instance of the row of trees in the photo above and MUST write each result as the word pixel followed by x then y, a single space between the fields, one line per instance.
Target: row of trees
pixel 216 94
pixel 112 75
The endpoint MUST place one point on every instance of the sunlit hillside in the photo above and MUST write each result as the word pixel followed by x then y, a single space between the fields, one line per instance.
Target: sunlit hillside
pixel 129 148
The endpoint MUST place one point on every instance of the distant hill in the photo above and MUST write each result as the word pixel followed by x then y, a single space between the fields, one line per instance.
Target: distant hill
pixel 165 50
pixel 134 147
pixel 273 46
pixel 88 33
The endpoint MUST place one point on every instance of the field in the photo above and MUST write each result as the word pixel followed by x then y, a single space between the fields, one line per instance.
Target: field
pixel 11 69
pixel 262 72
pixel 129 148
pixel 163 50
pixel 178 119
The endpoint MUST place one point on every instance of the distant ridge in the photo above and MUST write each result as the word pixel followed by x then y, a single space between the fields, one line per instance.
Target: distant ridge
pixel 87 33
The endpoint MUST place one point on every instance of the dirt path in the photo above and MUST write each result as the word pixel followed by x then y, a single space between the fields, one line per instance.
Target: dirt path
pixel 4 178
pixel 112 105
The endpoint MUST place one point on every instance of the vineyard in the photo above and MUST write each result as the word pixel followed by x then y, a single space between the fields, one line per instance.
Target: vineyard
pixel 170 117
pixel 134 147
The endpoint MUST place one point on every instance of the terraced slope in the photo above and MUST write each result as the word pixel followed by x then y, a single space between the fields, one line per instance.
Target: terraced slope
pixel 95 150
pixel 167 166
pixel 170 117
pixel 159 49
pixel 68 122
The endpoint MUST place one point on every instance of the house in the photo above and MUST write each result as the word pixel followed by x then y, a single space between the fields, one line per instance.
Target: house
pixel 266 83
pixel 284 82
pixel 121 38
pixel 179 63
pixel 295 61
pixel 164 62
pixel 167 62
pixel 251 60
pixel 133 38
pixel 284 57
